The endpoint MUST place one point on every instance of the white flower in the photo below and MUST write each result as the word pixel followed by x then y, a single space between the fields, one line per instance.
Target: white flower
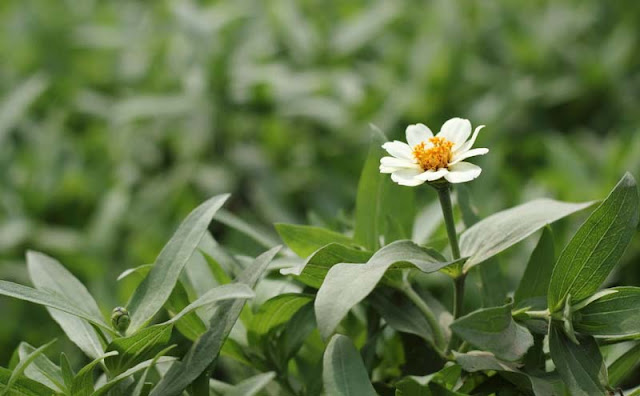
pixel 427 158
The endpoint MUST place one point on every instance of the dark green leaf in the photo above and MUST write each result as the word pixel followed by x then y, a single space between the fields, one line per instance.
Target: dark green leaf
pixel 502 230
pixel 624 366
pixel 348 284
pixel 156 288
pixel 535 281
pixel 597 246
pixel 580 366
pixel 494 330
pixel 121 377
pixel 344 373
pixel 23 386
pixel 611 316
pixel 278 310
pixel 21 366
pixel 304 240
pixel 67 371
pixel 313 271
pixel 82 384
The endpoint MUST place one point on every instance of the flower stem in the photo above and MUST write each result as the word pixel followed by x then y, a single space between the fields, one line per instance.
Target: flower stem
pixel 447 211
pixel 444 195
pixel 438 337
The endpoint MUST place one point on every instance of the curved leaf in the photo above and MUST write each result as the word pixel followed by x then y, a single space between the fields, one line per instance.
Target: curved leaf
pixel 611 316
pixel 343 371
pixel 596 247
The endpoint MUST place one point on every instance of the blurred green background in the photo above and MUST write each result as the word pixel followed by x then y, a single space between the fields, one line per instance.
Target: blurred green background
pixel 118 117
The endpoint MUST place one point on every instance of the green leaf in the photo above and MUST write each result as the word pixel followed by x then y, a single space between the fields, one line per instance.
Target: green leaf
pixel 344 373
pixel 478 361
pixel 206 349
pixel 580 366
pixel 49 299
pixel 154 291
pixel 597 246
pixel 22 365
pixel 263 237
pixel 22 386
pixel 296 331
pixel 611 316
pixel 190 325
pixel 624 366
pixel 48 274
pixel 251 386
pixel 304 240
pixel 82 384
pixel 534 284
pixel 348 284
pixel 41 369
pixel 137 391
pixel 146 343
pixel 313 271
pixel 494 330
pixel 278 310
pixel 419 386
pixel 502 230
pixel 382 207
pixel 121 377
pixel 67 371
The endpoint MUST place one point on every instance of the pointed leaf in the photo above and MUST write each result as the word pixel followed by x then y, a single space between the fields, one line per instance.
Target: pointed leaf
pixel 504 229
pixel 348 284
pixel 205 350
pixel 344 373
pixel 22 365
pixel 121 377
pixel 597 246
pixel 611 316
pixel 534 284
pixel 154 291
pixel 624 366
pixel 41 369
pixel 82 384
pixel 579 366
pixel 46 273
pixel 313 271
pixel 304 240
pixel 23 386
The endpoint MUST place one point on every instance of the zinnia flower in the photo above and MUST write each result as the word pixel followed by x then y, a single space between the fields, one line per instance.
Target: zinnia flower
pixel 427 158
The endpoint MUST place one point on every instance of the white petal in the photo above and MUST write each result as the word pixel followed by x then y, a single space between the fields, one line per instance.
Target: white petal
pixel 398 163
pixel 399 149
pixel 418 133
pixel 467 146
pixel 462 172
pixel 407 177
pixel 432 175
pixel 456 130
pixel 461 155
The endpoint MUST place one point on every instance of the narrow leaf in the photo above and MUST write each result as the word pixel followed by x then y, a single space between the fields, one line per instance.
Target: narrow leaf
pixel 534 284
pixel 304 240
pixel 49 299
pixel 46 273
pixel 348 284
pixel 82 384
pixel 251 386
pixel 579 365
pixel 154 291
pixel 22 365
pixel 344 373
pixel 502 230
pixel 624 366
pixel 23 386
pixel 206 349
pixel 597 246
pixel 121 377
pixel 41 369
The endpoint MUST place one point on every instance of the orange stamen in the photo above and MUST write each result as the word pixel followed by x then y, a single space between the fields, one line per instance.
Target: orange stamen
pixel 436 157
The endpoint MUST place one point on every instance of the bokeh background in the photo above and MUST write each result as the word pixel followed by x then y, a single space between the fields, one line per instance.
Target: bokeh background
pixel 118 117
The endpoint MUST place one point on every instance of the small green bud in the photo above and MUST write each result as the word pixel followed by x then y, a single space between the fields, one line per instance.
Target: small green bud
pixel 120 319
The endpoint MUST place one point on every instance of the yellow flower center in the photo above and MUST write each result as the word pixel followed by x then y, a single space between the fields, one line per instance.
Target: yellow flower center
pixel 435 157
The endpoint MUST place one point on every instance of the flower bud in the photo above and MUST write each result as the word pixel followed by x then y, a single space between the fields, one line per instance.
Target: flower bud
pixel 120 319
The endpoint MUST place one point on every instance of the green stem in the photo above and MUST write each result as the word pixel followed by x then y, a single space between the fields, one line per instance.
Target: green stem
pixel 539 314
pixel 447 211
pixel 444 195
pixel 438 337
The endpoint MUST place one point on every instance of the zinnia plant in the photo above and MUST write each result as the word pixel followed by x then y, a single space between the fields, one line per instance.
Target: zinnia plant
pixel 379 306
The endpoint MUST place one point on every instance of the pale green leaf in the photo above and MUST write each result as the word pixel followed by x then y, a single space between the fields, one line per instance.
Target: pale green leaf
pixel 154 291
pixel 21 366
pixel 343 372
